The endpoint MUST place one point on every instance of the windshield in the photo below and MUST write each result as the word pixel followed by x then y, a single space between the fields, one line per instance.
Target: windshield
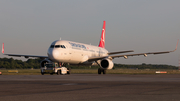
pixel 57 46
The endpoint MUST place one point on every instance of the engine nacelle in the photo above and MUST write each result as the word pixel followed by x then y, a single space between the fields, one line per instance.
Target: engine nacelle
pixel 106 64
pixel 45 61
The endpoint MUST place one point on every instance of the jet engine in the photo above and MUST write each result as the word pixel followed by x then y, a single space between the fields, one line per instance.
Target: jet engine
pixel 45 61
pixel 106 64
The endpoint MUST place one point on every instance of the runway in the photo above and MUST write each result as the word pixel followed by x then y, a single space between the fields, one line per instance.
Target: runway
pixel 90 87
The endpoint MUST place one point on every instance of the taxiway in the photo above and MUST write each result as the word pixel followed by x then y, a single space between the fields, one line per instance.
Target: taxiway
pixel 90 87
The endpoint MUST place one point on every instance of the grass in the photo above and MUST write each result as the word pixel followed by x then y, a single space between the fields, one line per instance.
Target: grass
pixel 123 71
pixel 90 71
pixel 22 72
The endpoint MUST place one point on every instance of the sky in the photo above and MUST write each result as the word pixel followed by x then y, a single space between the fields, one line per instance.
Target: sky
pixel 30 26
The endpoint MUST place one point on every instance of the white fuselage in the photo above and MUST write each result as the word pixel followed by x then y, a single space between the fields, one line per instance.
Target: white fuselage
pixel 73 52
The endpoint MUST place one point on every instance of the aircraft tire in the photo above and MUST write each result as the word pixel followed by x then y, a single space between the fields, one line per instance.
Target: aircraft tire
pixel 59 72
pixel 42 73
pixel 51 73
pixel 99 71
pixel 69 72
pixel 104 71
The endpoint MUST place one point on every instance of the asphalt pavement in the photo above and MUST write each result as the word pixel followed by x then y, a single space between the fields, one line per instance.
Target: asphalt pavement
pixel 90 87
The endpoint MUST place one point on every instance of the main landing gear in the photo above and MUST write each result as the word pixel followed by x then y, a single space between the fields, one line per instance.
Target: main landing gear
pixel 101 71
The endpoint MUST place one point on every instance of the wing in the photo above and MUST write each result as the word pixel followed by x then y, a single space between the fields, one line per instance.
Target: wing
pixel 101 57
pixel 145 54
pixel 26 56
pixel 126 55
pixel 97 58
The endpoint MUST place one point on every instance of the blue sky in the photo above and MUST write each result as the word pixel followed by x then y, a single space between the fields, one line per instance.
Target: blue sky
pixel 30 26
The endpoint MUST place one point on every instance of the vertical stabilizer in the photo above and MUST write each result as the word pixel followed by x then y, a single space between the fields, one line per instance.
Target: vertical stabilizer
pixel 102 41
pixel 3 48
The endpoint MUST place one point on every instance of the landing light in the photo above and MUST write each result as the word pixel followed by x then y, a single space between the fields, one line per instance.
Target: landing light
pixel 125 57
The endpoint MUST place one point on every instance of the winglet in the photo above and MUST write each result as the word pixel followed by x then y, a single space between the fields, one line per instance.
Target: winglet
pixel 176 46
pixel 102 41
pixel 3 48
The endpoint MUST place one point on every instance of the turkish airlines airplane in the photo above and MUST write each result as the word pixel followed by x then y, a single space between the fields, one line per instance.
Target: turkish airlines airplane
pixel 75 53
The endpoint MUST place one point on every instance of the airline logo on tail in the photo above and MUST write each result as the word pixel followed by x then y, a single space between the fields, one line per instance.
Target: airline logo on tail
pixel 102 41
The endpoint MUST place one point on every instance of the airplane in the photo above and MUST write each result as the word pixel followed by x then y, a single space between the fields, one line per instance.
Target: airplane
pixel 74 53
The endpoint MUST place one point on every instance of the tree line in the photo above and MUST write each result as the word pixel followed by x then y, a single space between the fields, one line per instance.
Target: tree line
pixel 10 63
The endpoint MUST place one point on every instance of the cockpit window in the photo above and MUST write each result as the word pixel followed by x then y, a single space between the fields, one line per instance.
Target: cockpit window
pixel 62 46
pixel 57 46
pixel 52 46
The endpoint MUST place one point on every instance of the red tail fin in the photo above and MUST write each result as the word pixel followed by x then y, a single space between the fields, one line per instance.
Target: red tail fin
pixel 3 48
pixel 102 41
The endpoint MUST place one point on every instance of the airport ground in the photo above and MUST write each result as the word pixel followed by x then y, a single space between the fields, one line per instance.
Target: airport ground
pixel 90 87
pixel 90 71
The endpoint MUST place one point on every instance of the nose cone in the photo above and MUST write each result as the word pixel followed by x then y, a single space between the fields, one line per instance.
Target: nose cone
pixel 54 54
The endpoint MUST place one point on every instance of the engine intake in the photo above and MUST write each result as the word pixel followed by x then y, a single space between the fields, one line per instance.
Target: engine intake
pixel 45 61
pixel 106 64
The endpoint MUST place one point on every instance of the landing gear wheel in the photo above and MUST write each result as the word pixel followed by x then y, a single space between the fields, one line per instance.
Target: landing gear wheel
pixel 99 71
pixel 51 73
pixel 42 73
pixel 59 72
pixel 104 71
pixel 69 71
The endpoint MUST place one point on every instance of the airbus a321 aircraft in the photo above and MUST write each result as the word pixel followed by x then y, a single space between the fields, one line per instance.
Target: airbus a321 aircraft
pixel 74 53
